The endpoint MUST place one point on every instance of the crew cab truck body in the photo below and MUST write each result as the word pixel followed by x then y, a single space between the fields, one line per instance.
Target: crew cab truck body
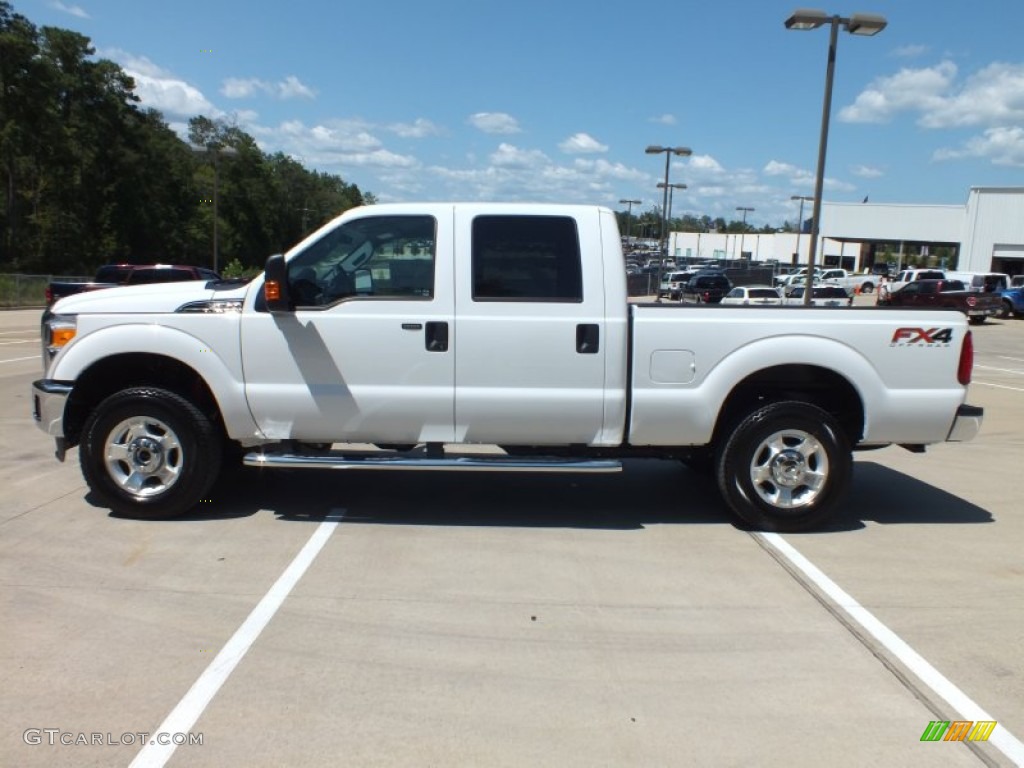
pixel 952 294
pixel 427 328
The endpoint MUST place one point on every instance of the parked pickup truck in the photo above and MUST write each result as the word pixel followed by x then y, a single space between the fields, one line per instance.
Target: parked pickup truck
pixel 1012 302
pixel 850 281
pixel 112 275
pixel 945 293
pixel 426 329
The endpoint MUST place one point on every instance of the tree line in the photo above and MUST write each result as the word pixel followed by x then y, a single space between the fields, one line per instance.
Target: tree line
pixel 88 176
pixel 647 224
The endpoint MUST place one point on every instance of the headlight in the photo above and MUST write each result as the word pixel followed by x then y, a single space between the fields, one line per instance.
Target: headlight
pixel 58 331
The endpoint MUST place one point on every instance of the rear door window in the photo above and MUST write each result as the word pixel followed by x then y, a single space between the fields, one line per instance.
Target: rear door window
pixel 526 258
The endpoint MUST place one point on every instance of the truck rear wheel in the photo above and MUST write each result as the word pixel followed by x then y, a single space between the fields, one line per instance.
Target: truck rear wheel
pixel 149 453
pixel 784 467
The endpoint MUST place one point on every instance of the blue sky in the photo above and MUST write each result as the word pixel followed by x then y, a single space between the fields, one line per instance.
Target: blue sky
pixel 556 101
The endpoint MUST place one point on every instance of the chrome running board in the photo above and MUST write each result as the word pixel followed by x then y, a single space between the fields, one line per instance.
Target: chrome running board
pixel 461 463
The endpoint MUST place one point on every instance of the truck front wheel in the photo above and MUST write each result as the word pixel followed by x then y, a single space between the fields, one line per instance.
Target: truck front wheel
pixel 149 453
pixel 784 467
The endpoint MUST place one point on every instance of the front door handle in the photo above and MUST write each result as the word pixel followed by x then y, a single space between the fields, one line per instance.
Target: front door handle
pixel 437 337
pixel 588 338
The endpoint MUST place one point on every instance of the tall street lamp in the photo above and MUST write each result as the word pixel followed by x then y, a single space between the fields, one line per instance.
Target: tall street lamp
pixel 671 190
pixel 669 151
pixel 629 215
pixel 800 220
pixel 216 152
pixel 858 24
pixel 743 231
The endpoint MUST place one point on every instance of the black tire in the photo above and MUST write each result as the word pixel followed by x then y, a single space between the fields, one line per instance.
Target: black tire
pixel 978 320
pixel 149 454
pixel 784 467
pixel 1006 311
pixel 867 288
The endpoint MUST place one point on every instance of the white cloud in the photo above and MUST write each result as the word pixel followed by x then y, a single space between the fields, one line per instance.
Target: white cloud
pixel 244 87
pixel 665 119
pixel 1003 146
pixel 705 164
pixel 921 90
pixel 240 88
pixel 74 10
pixel 332 144
pixel 158 88
pixel 992 96
pixel 292 88
pixel 494 122
pixel 910 51
pixel 510 156
pixel 867 172
pixel 418 129
pixel 582 144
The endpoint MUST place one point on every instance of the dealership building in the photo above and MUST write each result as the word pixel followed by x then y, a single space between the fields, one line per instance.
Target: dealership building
pixel 984 235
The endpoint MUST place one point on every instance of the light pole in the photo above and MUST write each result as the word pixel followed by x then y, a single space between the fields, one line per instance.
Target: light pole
pixel 216 152
pixel 800 221
pixel 629 215
pixel 671 190
pixel 669 151
pixel 743 231
pixel 857 24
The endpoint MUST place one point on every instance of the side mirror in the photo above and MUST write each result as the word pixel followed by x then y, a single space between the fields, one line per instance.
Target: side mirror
pixel 275 284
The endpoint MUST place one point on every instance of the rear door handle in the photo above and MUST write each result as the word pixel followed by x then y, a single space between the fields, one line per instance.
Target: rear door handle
pixel 437 337
pixel 588 338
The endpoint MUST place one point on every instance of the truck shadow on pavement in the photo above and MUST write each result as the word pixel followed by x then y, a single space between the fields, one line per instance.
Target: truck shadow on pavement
pixel 647 492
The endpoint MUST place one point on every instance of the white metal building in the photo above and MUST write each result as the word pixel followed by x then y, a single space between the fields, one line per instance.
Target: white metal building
pixel 987 233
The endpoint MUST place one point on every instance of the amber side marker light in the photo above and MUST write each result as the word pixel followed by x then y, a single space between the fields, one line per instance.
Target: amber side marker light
pixel 60 337
pixel 272 290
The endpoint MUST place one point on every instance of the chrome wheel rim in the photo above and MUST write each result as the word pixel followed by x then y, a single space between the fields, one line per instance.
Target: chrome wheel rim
pixel 143 456
pixel 789 469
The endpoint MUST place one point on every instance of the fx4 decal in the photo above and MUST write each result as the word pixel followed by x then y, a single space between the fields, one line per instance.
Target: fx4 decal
pixel 908 337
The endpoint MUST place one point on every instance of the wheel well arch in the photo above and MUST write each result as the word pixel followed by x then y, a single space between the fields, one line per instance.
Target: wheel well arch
pixel 823 387
pixel 135 369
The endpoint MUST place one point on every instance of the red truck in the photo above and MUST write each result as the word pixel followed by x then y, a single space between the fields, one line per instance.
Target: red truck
pixel 113 275
pixel 935 294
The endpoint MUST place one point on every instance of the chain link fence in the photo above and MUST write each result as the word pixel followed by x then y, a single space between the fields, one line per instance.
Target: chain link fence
pixel 24 291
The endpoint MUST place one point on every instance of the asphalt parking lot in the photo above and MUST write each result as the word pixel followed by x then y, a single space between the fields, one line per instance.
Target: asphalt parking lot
pixel 510 620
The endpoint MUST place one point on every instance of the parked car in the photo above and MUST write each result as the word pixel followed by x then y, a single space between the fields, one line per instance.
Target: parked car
pixel 705 288
pixel 821 296
pixel 672 284
pixel 753 295
pixel 114 275
pixel 795 281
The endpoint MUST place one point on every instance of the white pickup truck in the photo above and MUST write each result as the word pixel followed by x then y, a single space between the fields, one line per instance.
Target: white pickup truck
pixel 852 282
pixel 425 329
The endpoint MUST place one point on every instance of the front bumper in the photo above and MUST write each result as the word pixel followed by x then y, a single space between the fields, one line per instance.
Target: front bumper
pixel 48 400
pixel 966 424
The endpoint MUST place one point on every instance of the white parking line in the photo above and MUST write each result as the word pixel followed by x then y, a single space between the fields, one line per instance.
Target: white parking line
pixel 1015 359
pixel 191 707
pixel 1002 370
pixel 1001 738
pixel 8 342
pixel 19 359
pixel 997 386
